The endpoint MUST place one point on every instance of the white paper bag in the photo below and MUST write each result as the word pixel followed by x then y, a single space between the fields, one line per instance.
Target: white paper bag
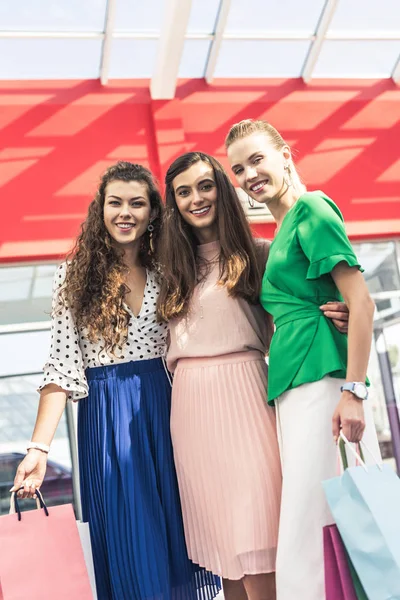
pixel 84 534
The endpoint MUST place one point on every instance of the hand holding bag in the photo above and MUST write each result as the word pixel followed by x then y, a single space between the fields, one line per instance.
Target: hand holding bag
pixel 41 556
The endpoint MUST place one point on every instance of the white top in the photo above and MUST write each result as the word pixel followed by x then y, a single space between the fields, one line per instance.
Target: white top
pixel 71 352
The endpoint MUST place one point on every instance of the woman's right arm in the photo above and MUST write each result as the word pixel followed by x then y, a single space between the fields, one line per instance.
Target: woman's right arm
pixel 32 469
pixel 63 378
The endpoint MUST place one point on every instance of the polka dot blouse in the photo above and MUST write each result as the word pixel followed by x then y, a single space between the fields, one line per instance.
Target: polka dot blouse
pixel 71 353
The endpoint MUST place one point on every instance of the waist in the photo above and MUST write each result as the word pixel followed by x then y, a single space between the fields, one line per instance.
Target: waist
pixel 125 369
pixel 222 359
pixel 307 312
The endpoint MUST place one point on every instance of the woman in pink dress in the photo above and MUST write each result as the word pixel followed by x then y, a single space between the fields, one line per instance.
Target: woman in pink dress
pixel 224 433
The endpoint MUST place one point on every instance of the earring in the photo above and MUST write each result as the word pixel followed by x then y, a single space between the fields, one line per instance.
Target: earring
pixel 150 228
pixel 287 176
pixel 250 201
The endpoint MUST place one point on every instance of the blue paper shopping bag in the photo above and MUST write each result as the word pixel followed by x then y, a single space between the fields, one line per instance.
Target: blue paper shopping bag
pixel 365 503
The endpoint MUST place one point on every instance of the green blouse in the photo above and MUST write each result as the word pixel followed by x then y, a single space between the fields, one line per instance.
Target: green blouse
pixel 306 346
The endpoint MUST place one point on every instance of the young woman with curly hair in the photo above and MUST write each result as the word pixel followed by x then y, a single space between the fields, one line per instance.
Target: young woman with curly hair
pixel 106 352
pixel 223 431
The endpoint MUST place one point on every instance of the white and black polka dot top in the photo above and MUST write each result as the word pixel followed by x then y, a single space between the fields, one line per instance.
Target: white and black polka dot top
pixel 71 352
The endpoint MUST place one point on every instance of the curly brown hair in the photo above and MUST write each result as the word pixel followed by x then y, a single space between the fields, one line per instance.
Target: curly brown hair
pixel 94 287
pixel 240 269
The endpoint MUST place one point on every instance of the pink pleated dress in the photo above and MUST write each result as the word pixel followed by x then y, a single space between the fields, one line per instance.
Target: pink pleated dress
pixel 223 431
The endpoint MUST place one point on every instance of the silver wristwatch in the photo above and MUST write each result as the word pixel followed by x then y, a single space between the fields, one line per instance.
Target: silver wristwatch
pixel 358 388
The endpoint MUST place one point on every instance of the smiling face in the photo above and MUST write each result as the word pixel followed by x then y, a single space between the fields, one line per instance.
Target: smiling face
pixel 127 211
pixel 259 167
pixel 195 193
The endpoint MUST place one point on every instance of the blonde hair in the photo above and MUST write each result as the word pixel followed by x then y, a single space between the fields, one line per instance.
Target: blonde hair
pixel 247 127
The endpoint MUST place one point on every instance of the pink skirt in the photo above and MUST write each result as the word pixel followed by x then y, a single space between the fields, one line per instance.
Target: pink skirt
pixel 227 462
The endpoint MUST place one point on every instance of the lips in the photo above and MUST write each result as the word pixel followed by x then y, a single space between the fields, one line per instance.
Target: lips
pixel 125 226
pixel 258 186
pixel 201 212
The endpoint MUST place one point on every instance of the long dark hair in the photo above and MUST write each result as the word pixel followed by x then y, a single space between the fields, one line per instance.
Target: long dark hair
pixel 94 285
pixel 239 268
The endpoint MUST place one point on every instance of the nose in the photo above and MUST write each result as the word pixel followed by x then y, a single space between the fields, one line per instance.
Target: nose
pixel 125 212
pixel 251 173
pixel 197 199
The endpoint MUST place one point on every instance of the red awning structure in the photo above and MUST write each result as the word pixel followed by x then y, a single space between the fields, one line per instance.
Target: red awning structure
pixel 86 84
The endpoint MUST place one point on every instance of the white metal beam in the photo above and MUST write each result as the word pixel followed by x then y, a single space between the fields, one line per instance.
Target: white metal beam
pixel 170 48
pixel 289 35
pixel 322 27
pixel 379 35
pixel 59 35
pixel 218 37
pixel 107 41
pixel 396 72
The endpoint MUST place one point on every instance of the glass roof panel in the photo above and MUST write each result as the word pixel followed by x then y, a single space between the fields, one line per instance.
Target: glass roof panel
pixel 50 58
pixel 366 15
pixel 57 15
pixel 132 58
pixel 136 15
pixel 203 16
pixel 274 15
pixel 356 59
pixel 261 58
pixel 194 58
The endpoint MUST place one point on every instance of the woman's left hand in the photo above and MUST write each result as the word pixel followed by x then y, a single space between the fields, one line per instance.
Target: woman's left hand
pixel 339 313
pixel 349 416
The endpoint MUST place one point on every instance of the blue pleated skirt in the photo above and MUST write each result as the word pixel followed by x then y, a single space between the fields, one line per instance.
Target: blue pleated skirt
pixel 129 489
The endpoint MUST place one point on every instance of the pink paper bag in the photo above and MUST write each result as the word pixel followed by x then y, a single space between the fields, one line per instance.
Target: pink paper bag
pixel 41 556
pixel 338 582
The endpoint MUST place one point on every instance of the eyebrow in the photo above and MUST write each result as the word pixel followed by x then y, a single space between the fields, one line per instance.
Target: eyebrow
pixel 134 197
pixel 250 158
pixel 198 183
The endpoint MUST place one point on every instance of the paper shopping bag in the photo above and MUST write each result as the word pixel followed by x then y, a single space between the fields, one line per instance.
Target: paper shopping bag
pixel 41 556
pixel 338 581
pixel 84 534
pixel 365 503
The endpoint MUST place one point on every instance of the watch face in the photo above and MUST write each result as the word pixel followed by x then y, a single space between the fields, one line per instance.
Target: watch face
pixel 360 390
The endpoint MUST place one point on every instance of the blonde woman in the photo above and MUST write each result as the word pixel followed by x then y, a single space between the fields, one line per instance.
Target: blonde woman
pixel 317 378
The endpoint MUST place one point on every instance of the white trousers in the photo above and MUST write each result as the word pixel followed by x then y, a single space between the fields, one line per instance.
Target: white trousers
pixel 309 456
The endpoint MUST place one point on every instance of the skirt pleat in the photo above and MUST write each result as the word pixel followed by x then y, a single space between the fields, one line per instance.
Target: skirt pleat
pixel 129 489
pixel 227 461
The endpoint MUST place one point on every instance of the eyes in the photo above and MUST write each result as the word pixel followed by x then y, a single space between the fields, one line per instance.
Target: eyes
pixel 133 203
pixel 205 187
pixel 254 161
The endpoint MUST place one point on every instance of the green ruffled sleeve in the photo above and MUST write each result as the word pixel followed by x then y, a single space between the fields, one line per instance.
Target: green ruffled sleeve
pixel 322 235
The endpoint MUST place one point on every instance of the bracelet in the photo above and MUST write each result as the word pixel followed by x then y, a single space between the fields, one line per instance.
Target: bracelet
pixel 35 446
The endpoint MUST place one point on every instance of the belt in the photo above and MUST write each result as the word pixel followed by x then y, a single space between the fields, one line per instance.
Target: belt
pixel 307 312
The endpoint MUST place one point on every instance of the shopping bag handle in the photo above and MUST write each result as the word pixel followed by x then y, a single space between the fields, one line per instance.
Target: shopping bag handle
pixel 342 456
pixel 343 441
pixel 15 508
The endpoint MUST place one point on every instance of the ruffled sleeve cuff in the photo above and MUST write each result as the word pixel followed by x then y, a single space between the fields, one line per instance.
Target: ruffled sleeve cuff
pixel 66 377
pixel 326 265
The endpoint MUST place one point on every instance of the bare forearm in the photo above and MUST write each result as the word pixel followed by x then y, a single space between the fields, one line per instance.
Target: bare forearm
pixel 354 290
pixel 359 340
pixel 51 407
